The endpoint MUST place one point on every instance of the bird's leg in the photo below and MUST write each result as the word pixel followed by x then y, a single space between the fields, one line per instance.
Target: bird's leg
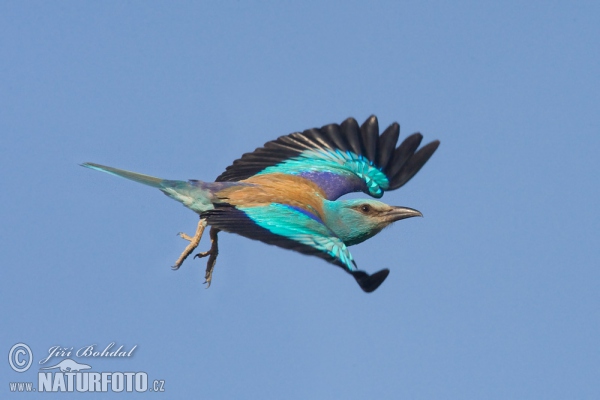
pixel 213 253
pixel 194 241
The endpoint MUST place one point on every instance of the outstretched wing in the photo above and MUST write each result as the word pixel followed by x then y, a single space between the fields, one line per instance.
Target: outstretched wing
pixel 294 229
pixel 340 159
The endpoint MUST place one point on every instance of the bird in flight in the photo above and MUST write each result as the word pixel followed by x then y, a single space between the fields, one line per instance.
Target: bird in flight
pixel 286 192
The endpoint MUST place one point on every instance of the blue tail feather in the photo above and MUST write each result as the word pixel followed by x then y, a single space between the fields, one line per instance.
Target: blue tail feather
pixel 134 176
pixel 193 195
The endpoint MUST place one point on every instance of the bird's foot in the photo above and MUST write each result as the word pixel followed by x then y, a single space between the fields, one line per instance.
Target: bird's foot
pixel 184 236
pixel 194 241
pixel 212 255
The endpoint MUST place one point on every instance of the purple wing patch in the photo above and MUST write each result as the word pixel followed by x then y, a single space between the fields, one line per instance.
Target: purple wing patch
pixel 335 185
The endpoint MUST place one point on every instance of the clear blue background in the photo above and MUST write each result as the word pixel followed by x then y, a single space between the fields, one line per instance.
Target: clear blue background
pixel 494 294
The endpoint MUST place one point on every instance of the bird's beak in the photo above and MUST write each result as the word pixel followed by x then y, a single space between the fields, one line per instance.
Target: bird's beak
pixel 398 213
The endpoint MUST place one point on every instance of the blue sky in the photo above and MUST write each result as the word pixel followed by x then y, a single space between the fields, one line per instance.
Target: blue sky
pixel 494 294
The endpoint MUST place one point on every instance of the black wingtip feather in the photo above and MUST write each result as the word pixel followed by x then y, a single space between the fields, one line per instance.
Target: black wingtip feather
pixel 339 139
pixel 387 145
pixel 370 137
pixel 370 283
pixel 350 130
pixel 403 153
pixel 414 164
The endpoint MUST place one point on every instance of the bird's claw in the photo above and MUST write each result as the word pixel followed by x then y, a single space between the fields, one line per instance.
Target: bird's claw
pixel 208 277
pixel 210 265
pixel 192 245
pixel 184 236
pixel 212 253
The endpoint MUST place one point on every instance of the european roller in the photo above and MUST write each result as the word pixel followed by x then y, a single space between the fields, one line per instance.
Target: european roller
pixel 287 192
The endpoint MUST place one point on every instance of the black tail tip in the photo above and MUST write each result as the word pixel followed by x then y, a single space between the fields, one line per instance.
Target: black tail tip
pixel 369 283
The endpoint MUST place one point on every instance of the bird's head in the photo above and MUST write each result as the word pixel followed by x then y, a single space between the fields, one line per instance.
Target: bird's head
pixel 355 221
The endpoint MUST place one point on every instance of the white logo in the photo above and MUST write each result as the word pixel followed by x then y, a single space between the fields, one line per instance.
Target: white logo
pixel 20 357
pixel 68 365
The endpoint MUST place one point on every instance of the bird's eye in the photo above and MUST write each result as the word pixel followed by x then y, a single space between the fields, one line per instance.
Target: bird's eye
pixel 365 208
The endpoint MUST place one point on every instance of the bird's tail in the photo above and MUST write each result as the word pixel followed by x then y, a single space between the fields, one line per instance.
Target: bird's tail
pixel 134 176
pixel 194 195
